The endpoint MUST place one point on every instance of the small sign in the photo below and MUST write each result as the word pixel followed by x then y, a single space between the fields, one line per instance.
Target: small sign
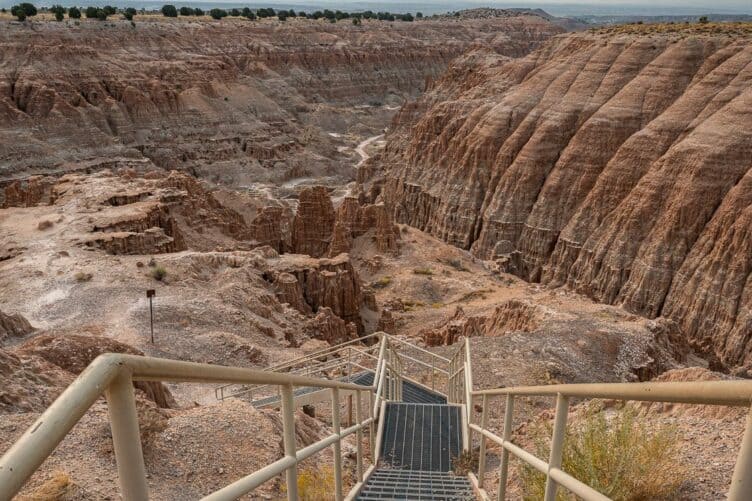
pixel 150 292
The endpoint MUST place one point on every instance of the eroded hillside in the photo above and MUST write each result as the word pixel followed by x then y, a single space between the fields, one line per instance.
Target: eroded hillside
pixel 237 101
pixel 618 163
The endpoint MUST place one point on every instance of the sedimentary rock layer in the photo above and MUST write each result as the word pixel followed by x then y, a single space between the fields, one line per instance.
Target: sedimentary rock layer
pixel 618 164
pixel 190 94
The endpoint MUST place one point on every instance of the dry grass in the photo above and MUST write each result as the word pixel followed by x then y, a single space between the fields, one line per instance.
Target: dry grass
pixel 54 489
pixel 618 456
pixel 423 271
pixel 315 484
pixel 381 283
pixel 81 276
pixel 731 28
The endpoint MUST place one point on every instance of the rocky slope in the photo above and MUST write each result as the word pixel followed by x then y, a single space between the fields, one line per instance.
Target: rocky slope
pixel 236 101
pixel 615 163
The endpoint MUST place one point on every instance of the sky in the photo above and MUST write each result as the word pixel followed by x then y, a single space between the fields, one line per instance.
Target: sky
pixel 555 7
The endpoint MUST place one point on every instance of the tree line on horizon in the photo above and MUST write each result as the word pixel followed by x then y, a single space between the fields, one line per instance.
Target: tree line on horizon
pixel 25 10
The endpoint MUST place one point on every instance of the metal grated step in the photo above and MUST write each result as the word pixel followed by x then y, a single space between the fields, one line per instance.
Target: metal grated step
pixel 423 437
pixel 410 392
pixel 415 485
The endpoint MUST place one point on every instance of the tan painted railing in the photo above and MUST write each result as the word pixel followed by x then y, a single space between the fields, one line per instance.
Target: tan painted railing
pixel 729 393
pixel 112 375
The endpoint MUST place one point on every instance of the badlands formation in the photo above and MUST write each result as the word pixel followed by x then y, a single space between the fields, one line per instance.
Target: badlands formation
pixel 575 204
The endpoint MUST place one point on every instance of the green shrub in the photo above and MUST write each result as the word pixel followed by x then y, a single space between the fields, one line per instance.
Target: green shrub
pixel 74 13
pixel 620 457
pixel 91 12
pixel 218 13
pixel 198 12
pixel 158 273
pixel 186 11
pixel 169 11
pixel 423 271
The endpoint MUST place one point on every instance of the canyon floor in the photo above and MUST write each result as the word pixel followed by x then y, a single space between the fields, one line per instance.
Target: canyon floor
pixel 273 184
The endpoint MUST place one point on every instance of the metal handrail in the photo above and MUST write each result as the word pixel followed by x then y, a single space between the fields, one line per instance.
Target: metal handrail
pixel 730 393
pixel 113 375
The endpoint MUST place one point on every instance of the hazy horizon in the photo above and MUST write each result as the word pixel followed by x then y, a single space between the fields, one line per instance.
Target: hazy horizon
pixel 562 8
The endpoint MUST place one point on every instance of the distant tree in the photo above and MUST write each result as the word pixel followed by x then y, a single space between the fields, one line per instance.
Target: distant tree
pixel 250 15
pixel 3 10
pixel 317 14
pixel 419 15
pixel 369 14
pixel 27 9
pixel 218 13
pixel 101 15
pixel 282 15
pixel 703 20
pixel 234 12
pixel 59 16
pixel 91 12
pixel 407 17
pixel 186 11
pixel 169 11
pixel 302 14
pixel 129 13
pixel 74 13
pixel 291 13
pixel 198 12
pixel 341 15
pixel 329 14
pixel 57 8
pixel 109 10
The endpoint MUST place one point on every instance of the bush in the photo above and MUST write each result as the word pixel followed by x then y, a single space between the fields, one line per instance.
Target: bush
pixel 235 13
pixel 423 271
pixel 218 13
pixel 81 276
pixel 198 12
pixel 158 273
pixel 19 13
pixel 315 484
pixel 26 8
pixel 381 282
pixel 186 11
pixel 282 16
pixel 109 10
pixel 129 13
pixel 91 12
pixel 169 11
pixel 620 457
pixel 101 15
pixel 59 16
pixel 74 13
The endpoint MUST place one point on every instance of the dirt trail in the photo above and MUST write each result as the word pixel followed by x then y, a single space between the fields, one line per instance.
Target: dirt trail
pixel 361 148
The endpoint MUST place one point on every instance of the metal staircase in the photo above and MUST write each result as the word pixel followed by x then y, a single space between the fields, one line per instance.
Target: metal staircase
pixel 412 407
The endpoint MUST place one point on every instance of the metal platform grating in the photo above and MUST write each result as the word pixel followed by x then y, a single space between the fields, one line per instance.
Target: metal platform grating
pixel 415 485
pixel 421 437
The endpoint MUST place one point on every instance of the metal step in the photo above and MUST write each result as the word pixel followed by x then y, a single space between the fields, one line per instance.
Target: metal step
pixel 410 392
pixel 415 485
pixel 421 437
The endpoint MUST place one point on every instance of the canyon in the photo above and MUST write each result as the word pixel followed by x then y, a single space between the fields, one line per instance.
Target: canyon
pixel 576 205
pixel 614 162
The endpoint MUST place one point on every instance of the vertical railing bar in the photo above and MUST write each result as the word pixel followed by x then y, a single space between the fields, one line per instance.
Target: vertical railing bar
pixel 482 451
pixel 359 436
pixel 288 429
pixel 336 428
pixel 741 480
pixel 371 427
pixel 126 438
pixel 507 436
pixel 557 444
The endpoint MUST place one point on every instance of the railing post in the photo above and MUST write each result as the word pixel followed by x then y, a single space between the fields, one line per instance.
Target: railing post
pixel 557 444
pixel 504 466
pixel 359 437
pixel 126 438
pixel 371 427
pixel 288 429
pixel 741 481
pixel 433 373
pixel 336 428
pixel 482 451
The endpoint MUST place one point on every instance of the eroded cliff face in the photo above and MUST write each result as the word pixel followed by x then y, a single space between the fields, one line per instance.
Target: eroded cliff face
pixel 236 102
pixel 619 165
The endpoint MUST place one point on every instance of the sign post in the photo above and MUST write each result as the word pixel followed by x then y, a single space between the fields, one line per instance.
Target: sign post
pixel 150 294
